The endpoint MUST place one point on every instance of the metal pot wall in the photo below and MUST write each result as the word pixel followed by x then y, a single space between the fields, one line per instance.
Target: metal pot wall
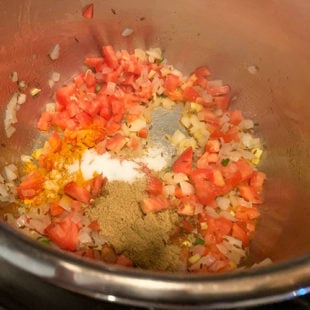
pixel 228 36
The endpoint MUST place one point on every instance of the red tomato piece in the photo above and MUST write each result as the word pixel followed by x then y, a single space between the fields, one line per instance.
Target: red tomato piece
pixel 154 204
pixel 64 233
pixel 184 163
pixel 98 183
pixel 202 72
pixel 32 185
pixel 206 191
pixel 257 180
pixel 154 185
pixel 54 142
pixel 110 56
pixel 123 260
pixel 236 117
pixel 56 209
pixel 64 93
pixel 239 233
pixel 245 213
pixel 112 127
pixel 77 192
pixel 190 94
pixel 45 121
pixel 94 62
pixel 171 83
pixel 249 194
pixel 94 225
pixel 116 143
pixel 143 133
pixel 83 119
pixel 88 11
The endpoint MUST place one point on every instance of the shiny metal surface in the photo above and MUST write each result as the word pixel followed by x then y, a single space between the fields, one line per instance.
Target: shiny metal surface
pixel 228 36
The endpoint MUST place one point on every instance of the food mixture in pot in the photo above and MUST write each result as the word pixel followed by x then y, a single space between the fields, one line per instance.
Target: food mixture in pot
pixel 107 181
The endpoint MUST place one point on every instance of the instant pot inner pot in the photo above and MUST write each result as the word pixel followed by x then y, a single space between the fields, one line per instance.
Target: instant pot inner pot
pixel 226 36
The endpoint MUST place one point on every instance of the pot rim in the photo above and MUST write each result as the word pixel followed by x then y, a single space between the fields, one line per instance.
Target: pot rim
pixel 249 287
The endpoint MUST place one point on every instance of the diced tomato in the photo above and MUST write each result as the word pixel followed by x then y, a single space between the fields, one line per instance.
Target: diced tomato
pixel 236 117
pixel 83 119
pixel 54 142
pixel 118 110
pixel 94 62
pixel 206 191
pixel 222 102
pixel 110 56
pixel 249 194
pixel 239 233
pixel 206 159
pixel 133 143
pixel 98 183
pixel 64 233
pixel 123 260
pixel 213 146
pixel 64 93
pixel 45 121
pixel 88 11
pixel 77 192
pixel 112 127
pixel 202 72
pixel 94 225
pixel 245 169
pixel 56 209
pixel 257 180
pixel 190 94
pixel 154 204
pixel 217 229
pixel 171 83
pixel 184 163
pixel 116 143
pixel 154 185
pixel 245 213
pixel 32 185
pixel 143 133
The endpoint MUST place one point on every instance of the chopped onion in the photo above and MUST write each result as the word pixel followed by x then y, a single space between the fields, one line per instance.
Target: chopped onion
pixel 10 173
pixel 21 98
pixel 211 212
pixel 54 52
pixel 127 32
pixel 187 188
pixel 223 202
pixel 253 69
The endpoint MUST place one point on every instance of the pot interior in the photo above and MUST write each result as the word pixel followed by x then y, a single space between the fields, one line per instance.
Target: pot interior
pixel 226 36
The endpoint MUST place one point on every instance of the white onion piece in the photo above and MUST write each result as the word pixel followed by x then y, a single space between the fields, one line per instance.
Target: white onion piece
pixel 54 52
pixel 187 188
pixel 223 202
pixel 211 212
pixel 127 32
pixel 10 172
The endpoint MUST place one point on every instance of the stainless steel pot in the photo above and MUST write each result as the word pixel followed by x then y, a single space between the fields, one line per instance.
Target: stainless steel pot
pixel 228 36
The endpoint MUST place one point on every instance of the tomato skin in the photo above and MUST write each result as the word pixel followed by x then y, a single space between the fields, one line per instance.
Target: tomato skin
pixel 32 185
pixel 249 194
pixel 239 233
pixel 236 117
pixel 184 163
pixel 257 180
pixel 94 225
pixel 54 142
pixel 77 192
pixel 123 260
pixel 64 233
